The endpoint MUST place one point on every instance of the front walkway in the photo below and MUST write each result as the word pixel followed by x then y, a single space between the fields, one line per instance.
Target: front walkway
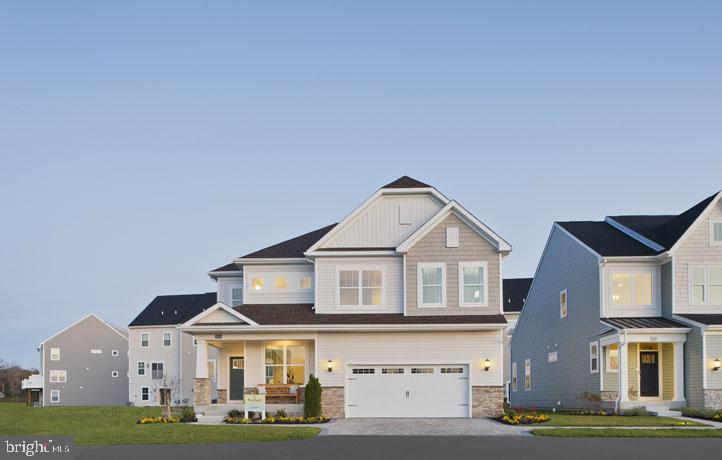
pixel 420 427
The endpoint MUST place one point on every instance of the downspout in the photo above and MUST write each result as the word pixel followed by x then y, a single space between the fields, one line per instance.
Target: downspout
pixel 180 364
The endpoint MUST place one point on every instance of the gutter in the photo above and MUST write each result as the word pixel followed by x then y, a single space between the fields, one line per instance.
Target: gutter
pixel 340 327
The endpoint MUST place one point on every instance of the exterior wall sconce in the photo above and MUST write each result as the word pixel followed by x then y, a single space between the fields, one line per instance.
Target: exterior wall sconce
pixel 329 365
pixel 716 364
pixel 487 364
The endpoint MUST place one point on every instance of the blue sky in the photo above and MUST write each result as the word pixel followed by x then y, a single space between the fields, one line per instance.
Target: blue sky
pixel 144 143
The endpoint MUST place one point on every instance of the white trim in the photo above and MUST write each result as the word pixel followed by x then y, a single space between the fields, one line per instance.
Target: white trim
pixel 56 392
pixel 592 357
pixel 514 377
pixel 236 285
pixel 706 268
pixel 80 321
pixel 403 269
pixel 341 253
pixel 660 376
pixel 137 369
pixel 612 310
pixel 468 218
pixel 57 358
pixel 214 378
pixel 484 283
pixel 691 228
pixel 360 269
pixel 151 369
pixel 527 372
pixel 419 287
pixel 637 236
pixel 58 373
pixel 141 393
pixel 267 260
pixel 219 306
pixel 147 344
pixel 712 223
pixel 564 307
pixel 608 359
pixel 170 335
pixel 348 327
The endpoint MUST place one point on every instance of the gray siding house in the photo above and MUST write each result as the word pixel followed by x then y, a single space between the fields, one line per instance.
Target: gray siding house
pixel 85 364
pixel 628 309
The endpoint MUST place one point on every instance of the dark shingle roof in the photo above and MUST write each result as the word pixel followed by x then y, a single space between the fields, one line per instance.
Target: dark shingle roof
pixel 174 309
pixel 606 240
pixel 406 182
pixel 295 247
pixel 642 323
pixel 708 319
pixel 303 314
pixel 232 267
pixel 515 292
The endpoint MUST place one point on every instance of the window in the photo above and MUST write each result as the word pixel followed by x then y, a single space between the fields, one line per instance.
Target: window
pixel 405 214
pixel 527 375
pixel 281 282
pixel 141 368
pixel 257 284
pixel 452 237
pixel 54 396
pixel 156 371
pixel 563 304
pixel 144 393
pixel 236 295
pixel 114 374
pixel 392 370
pixel 114 353
pixel 360 287
pixel 144 340
pixel 285 364
pixel 432 284
pixel 612 360
pixel 422 370
pixel 632 289
pixel 55 354
pixel 167 339
pixel 96 351
pixel 452 370
pixel 363 371
pixel 705 284
pixel 715 232
pixel 212 370
pixel 593 357
pixel 58 376
pixel 513 376
pixel 472 279
pixel 304 282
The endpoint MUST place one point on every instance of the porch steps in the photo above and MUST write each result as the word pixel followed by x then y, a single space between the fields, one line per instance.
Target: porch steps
pixel 663 411
pixel 210 419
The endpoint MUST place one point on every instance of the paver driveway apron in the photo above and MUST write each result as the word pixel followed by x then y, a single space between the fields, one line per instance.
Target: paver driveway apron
pixel 420 427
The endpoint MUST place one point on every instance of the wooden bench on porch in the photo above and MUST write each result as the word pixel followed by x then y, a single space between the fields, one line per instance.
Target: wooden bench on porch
pixel 281 391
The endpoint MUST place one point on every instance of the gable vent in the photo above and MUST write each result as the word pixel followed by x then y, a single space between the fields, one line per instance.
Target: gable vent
pixel 452 237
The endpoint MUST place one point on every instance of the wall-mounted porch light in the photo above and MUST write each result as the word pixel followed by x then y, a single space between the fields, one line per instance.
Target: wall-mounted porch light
pixel 329 365
pixel 716 364
pixel 487 364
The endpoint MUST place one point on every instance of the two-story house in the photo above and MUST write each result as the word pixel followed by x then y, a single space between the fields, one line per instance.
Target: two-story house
pixel 628 310
pixel 85 364
pixel 397 309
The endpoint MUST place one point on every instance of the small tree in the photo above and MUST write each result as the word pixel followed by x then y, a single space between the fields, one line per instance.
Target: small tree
pixel 312 398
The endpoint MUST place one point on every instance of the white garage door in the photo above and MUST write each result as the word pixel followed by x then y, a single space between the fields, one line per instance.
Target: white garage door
pixel 407 391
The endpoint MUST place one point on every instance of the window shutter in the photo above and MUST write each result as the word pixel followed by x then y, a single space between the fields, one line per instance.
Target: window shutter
pixel 452 237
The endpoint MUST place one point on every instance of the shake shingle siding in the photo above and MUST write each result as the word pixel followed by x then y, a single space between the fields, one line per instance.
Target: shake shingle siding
pixel 565 264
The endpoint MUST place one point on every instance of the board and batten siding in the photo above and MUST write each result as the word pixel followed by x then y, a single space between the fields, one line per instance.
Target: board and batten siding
pixel 272 295
pixel 696 249
pixel 327 283
pixel 472 248
pixel 693 385
pixel 565 264
pixel 379 225
pixel 381 348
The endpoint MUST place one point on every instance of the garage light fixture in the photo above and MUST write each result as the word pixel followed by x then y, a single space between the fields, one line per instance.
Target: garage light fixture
pixel 716 364
pixel 487 364
pixel 329 365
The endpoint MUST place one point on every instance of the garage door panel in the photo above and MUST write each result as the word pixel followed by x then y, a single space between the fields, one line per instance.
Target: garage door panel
pixel 408 391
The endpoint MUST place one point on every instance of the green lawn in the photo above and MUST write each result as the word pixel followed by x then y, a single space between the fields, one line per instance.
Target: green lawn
pixel 115 425
pixel 626 433
pixel 611 420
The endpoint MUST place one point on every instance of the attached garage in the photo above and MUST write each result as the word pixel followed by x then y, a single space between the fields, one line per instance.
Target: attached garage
pixel 407 390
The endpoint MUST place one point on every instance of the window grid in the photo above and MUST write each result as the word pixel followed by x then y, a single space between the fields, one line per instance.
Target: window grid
pixel 392 370
pixel 363 371
pixel 422 370
pixel 452 370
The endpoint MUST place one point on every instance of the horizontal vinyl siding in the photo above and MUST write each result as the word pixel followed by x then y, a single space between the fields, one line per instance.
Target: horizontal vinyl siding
pixel 411 348
pixel 693 391
pixel 269 294
pixel 668 371
pixel 565 264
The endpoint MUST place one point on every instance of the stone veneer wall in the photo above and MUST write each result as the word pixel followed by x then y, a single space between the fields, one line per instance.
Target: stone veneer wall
pixel 202 391
pixel 487 401
pixel 332 402
pixel 609 395
pixel 713 399
pixel 222 396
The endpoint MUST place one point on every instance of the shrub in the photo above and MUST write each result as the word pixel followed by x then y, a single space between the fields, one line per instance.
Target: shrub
pixel 234 413
pixel 312 399
pixel 238 420
pixel 525 419
pixel 187 415
pixel 706 414
pixel 150 420
pixel 635 412
pixel 280 413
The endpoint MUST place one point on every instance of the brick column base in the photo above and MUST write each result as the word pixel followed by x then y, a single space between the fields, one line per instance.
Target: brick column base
pixel 487 401
pixel 222 396
pixel 333 402
pixel 202 392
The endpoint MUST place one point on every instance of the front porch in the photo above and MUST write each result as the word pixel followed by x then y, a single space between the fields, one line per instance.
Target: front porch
pixel 648 367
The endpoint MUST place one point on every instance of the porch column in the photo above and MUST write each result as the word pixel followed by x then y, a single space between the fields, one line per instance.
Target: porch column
pixel 623 372
pixel 202 359
pixel 678 371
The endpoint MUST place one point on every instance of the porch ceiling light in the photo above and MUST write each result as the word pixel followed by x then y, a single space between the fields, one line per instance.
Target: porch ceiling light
pixel 487 364
pixel 329 365
pixel 716 364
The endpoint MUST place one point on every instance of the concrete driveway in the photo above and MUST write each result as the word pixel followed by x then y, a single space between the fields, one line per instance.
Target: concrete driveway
pixel 419 427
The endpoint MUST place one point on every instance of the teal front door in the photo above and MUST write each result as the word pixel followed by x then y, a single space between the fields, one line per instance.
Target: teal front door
pixel 236 378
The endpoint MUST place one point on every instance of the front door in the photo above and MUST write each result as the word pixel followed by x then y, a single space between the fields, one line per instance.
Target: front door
pixel 649 374
pixel 236 379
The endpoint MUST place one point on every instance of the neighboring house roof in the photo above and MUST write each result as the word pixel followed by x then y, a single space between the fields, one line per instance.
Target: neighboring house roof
pixel 406 182
pixel 303 314
pixel 606 240
pixel 515 292
pixel 174 309
pixel 702 318
pixel 643 323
